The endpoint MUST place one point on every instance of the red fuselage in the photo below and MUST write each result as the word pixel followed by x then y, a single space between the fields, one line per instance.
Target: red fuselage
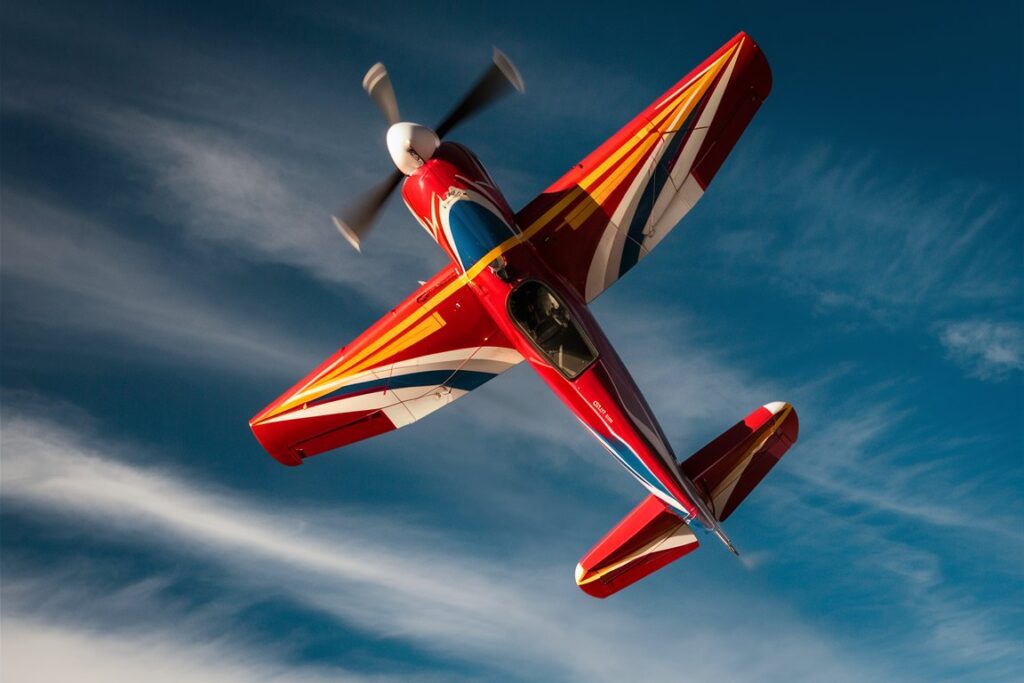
pixel 455 200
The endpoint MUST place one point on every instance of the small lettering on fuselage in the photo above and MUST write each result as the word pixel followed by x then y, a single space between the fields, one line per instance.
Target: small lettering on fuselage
pixel 604 413
pixel 453 193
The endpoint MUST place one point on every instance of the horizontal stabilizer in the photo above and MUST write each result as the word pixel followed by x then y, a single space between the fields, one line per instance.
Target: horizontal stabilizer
pixel 724 472
pixel 727 469
pixel 646 539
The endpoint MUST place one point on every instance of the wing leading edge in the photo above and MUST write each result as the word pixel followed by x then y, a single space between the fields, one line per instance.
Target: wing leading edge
pixel 614 207
pixel 434 347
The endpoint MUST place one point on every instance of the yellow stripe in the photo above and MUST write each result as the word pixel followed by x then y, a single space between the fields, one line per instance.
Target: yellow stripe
pixel 638 138
pixel 426 328
pixel 595 574
pixel 374 352
pixel 551 213
pixel 743 462
pixel 614 157
pixel 648 137
pixel 697 84
pixel 328 384
pixel 605 189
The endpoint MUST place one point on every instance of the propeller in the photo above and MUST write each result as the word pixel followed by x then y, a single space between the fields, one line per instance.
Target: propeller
pixel 377 85
pixel 500 79
pixel 355 221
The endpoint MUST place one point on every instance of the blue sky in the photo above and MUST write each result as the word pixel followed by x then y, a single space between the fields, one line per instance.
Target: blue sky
pixel 169 267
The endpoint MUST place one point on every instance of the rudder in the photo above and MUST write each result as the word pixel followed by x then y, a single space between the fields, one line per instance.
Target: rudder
pixel 729 467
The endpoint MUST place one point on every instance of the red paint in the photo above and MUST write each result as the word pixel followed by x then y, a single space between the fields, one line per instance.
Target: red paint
pixel 457 311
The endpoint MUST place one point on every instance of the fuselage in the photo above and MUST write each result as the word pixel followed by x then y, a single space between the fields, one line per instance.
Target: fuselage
pixel 455 200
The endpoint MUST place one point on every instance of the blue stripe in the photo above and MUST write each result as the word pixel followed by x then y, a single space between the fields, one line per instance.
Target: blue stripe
pixel 475 230
pixel 632 462
pixel 466 380
pixel 631 249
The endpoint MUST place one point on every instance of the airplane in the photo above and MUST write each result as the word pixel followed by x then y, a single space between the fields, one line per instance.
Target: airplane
pixel 518 287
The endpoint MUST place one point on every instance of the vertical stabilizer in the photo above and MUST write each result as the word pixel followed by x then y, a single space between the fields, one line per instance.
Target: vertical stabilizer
pixel 726 470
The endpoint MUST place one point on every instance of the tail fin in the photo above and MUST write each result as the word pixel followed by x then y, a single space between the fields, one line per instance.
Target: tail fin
pixel 726 470
pixel 644 541
pixel 723 473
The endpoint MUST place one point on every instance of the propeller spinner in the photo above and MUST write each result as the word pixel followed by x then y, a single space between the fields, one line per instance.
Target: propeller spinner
pixel 410 144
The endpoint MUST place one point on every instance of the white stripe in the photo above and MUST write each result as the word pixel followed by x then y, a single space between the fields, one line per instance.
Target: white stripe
pixel 680 204
pixel 490 359
pixel 722 493
pixel 370 401
pixel 493 359
pixel 675 202
pixel 376 400
pixel 423 406
pixel 660 495
pixel 611 242
pixel 684 86
pixel 399 415
pixel 607 261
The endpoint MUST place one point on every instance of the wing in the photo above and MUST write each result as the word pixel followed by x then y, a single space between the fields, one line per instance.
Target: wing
pixel 436 346
pixel 599 219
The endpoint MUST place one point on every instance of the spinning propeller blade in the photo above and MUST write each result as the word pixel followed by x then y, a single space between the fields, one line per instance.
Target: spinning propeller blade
pixel 377 85
pixel 500 79
pixel 354 222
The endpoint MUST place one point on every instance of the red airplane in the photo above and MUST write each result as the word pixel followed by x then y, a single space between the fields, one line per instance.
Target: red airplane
pixel 517 288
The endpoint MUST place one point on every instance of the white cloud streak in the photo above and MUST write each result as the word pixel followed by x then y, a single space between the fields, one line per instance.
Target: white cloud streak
pixel 36 650
pixel 381 576
pixel 854 231
pixel 73 622
pixel 864 238
pixel 249 186
pixel 66 273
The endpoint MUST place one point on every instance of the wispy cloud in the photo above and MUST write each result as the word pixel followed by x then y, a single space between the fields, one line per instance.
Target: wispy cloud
pixel 511 617
pixel 247 195
pixel 66 273
pixel 227 156
pixel 914 520
pixel 856 231
pixel 66 625
pixel 871 456
pixel 989 349
pixel 251 167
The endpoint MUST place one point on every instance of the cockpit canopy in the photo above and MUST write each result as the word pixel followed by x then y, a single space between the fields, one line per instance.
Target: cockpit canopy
pixel 546 320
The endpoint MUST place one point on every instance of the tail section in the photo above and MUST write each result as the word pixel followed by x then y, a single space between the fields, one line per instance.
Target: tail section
pixel 644 541
pixel 726 470
pixel 723 472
